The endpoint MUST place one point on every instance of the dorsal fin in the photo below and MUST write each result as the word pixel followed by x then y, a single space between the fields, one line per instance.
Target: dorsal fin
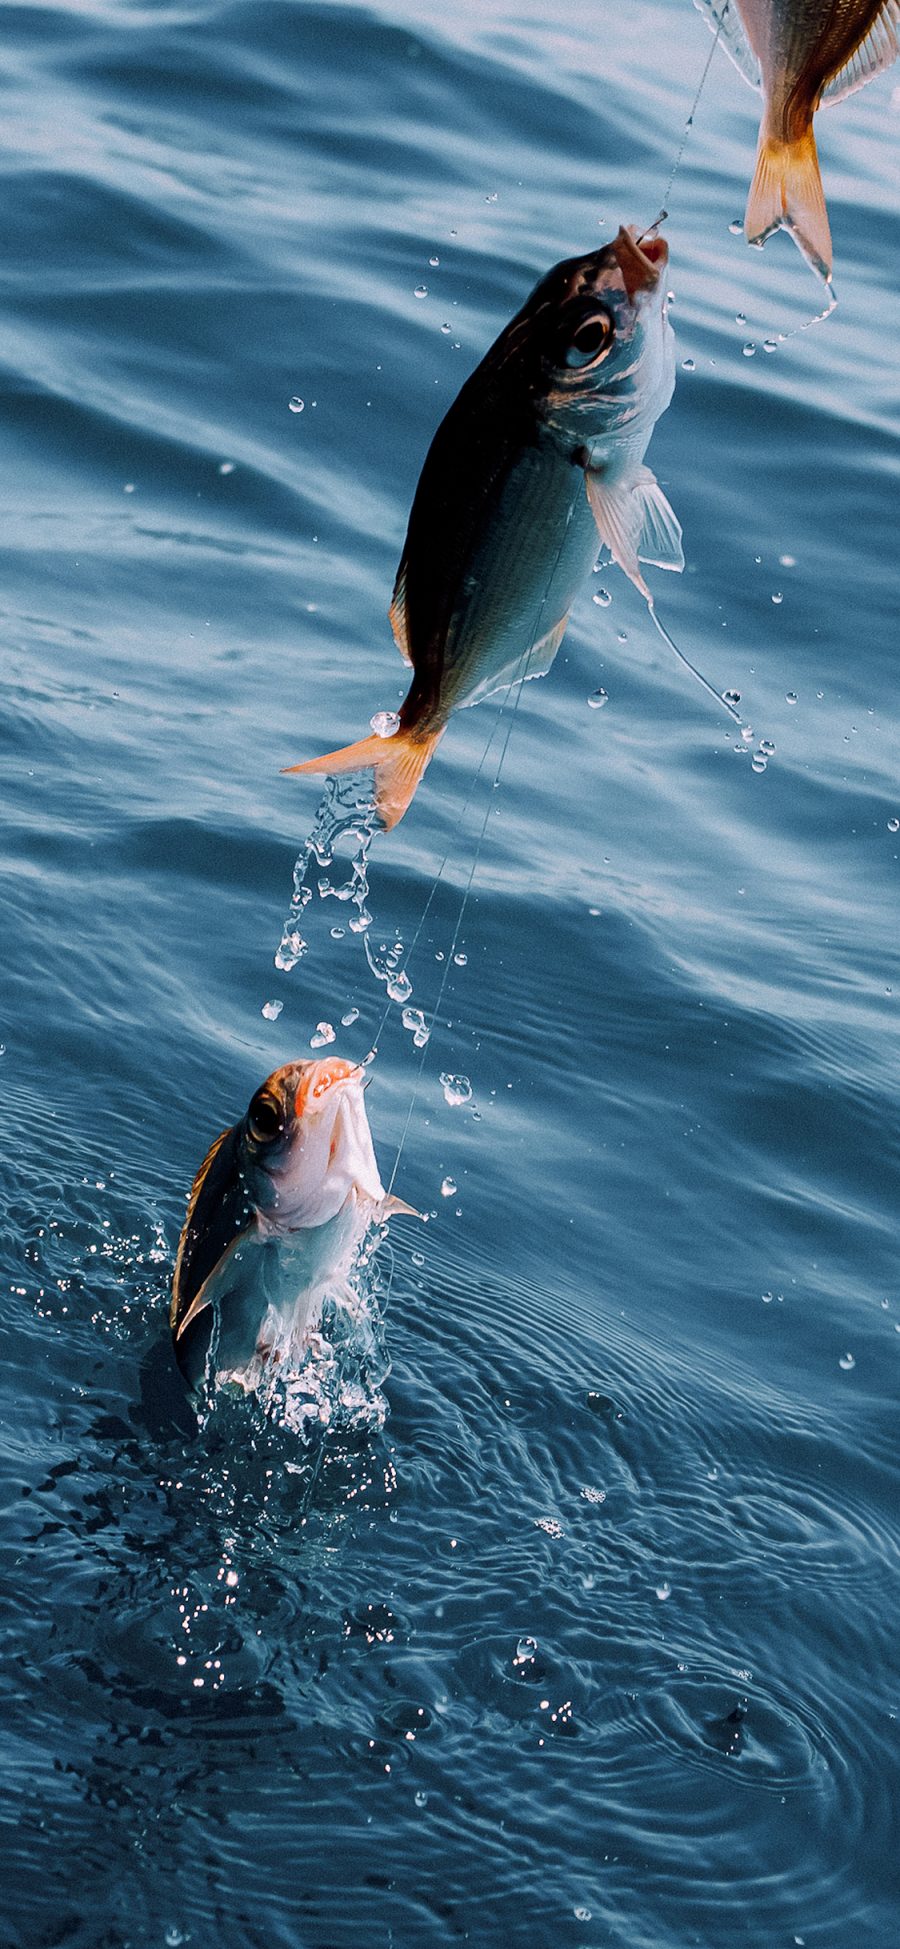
pixel 880 47
pixel 398 613
pixel 723 19
pixel 203 1240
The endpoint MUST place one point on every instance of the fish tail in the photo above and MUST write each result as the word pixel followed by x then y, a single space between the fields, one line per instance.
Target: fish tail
pixel 787 190
pixel 398 764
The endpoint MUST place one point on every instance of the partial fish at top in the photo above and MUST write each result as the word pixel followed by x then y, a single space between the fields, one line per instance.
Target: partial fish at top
pixel 539 458
pixel 803 54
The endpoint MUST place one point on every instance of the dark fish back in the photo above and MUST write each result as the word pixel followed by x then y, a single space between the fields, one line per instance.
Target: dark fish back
pixel 481 438
pixel 218 1189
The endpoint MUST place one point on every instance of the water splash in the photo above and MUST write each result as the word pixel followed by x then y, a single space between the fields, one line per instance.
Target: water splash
pixel 327 1382
pixel 346 819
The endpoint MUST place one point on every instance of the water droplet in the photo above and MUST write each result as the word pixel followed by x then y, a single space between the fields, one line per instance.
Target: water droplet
pixel 460 960
pixel 731 696
pixel 790 696
pixel 414 1020
pixel 777 597
pixel 600 697
pixel 295 405
pixel 893 825
pixel 767 747
pixel 526 1651
pixel 740 318
pixel 418 1258
pixel 736 226
pixel 351 1016
pixel 446 330
pixel 434 262
pixel 420 1797
pixel 688 365
pixel 747 733
pixel 758 762
pixel 749 350
pixel 226 466
pixel 448 1188
pixel 421 291
pixel 602 597
pixel 770 345
pixel 663 1591
pixel 272 1010
pixel 457 1089
pixel 621 635
pixel 399 987
pixel 846 1361
pixel 582 1914
pixel 324 1034
pixel 385 724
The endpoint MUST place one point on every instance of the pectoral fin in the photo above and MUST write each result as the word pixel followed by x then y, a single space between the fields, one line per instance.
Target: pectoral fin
pixel 660 538
pixel 391 1207
pixel 219 1282
pixel 880 47
pixel 636 524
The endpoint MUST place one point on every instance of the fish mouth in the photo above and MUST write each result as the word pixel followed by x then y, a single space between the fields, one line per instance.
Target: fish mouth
pixel 640 260
pixel 321 1079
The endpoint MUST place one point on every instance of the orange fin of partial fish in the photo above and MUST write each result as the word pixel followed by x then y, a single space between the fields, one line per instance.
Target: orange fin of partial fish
pixel 787 191
pixel 398 764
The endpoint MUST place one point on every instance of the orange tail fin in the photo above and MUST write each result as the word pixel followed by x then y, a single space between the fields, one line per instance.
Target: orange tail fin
pixel 398 764
pixel 787 189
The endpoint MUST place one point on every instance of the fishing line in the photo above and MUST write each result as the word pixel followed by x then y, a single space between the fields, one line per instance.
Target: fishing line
pixel 710 689
pixel 438 876
pixel 694 107
pixel 519 683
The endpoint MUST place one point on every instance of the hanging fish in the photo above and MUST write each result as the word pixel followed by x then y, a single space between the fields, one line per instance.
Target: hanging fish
pixel 539 459
pixel 276 1212
pixel 803 54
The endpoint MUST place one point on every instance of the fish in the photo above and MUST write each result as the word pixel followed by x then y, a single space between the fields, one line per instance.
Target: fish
pixel 277 1210
pixel 539 460
pixel 802 54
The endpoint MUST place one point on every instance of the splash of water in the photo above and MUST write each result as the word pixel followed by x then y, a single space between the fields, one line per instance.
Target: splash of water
pixel 345 825
pixel 327 1382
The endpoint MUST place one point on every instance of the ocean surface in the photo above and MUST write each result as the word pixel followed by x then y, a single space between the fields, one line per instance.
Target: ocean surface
pixel 578 1623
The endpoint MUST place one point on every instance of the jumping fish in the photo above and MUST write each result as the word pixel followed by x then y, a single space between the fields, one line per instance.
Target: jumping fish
pixel 539 459
pixel 276 1212
pixel 803 54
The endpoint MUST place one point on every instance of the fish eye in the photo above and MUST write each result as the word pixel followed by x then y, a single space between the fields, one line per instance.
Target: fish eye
pixel 265 1118
pixel 590 339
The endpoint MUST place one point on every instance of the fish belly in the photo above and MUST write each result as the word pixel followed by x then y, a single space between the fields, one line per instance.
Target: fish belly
pixel 520 583
pixel 269 1300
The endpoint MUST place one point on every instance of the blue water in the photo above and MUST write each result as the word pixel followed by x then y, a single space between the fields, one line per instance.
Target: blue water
pixel 595 1641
